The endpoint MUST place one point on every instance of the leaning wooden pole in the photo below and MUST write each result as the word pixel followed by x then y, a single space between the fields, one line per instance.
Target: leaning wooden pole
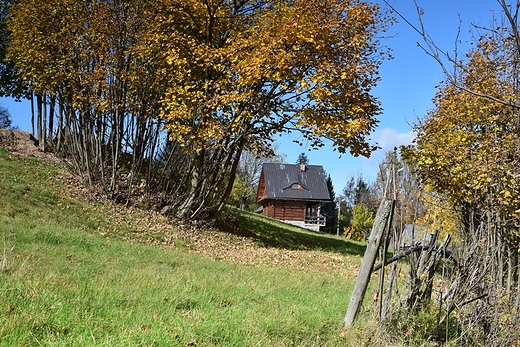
pixel 374 242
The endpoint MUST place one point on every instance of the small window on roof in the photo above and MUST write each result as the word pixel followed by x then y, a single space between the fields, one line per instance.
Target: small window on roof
pixel 296 185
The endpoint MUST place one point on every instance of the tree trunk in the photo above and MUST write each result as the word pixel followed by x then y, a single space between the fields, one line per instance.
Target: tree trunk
pixel 186 208
pixel 39 119
pixel 44 123
pixel 231 180
pixel 32 115
pixel 50 132
pixel 60 126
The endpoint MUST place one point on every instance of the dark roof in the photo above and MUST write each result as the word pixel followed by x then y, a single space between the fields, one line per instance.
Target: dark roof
pixel 280 177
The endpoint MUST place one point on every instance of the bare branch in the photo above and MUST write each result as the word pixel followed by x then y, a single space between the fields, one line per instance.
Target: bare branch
pixel 440 56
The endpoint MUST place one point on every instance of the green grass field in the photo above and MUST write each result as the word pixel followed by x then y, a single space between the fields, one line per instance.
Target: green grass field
pixel 79 272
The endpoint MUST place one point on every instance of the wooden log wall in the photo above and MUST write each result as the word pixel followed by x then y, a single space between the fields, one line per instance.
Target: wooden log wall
pixel 285 210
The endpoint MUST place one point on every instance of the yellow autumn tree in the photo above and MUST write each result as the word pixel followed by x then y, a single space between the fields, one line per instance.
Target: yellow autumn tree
pixel 81 54
pixel 467 145
pixel 467 155
pixel 440 216
pixel 239 72
pixel 221 76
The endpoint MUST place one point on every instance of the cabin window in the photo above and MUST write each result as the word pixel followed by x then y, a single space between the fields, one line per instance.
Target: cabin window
pixel 295 186
pixel 311 210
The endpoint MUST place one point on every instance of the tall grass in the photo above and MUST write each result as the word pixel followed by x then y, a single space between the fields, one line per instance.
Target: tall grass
pixel 68 278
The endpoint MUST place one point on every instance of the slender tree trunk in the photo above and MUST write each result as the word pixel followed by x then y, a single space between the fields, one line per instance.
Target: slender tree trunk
pixel 60 125
pixel 43 143
pixel 50 132
pixel 195 186
pixel 116 145
pixel 32 115
pixel 138 139
pixel 39 119
pixel 231 180
pixel 85 148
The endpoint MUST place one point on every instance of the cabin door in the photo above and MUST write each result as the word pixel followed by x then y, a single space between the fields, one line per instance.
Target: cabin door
pixel 311 210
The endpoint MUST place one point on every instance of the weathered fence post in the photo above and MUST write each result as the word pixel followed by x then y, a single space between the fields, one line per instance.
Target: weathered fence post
pixel 374 242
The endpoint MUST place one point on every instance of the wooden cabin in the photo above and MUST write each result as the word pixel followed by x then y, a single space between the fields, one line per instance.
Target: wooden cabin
pixel 293 193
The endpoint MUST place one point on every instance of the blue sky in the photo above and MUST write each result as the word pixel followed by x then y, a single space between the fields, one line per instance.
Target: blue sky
pixel 405 91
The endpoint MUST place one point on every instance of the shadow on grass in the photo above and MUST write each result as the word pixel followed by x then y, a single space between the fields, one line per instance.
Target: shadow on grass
pixel 273 233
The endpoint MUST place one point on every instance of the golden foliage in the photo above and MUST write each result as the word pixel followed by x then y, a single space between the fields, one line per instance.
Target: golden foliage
pixel 221 71
pixel 221 76
pixel 440 215
pixel 467 146
pixel 248 70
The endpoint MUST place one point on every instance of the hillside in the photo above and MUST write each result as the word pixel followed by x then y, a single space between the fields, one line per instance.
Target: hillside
pixel 80 270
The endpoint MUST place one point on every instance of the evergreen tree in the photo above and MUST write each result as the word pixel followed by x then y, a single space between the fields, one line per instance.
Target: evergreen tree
pixel 328 209
pixel 302 159
pixel 5 118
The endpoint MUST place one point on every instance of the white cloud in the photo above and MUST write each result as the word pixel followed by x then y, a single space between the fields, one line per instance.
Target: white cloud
pixel 389 138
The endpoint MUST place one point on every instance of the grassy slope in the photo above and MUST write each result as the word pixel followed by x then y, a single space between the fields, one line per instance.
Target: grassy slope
pixel 72 274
